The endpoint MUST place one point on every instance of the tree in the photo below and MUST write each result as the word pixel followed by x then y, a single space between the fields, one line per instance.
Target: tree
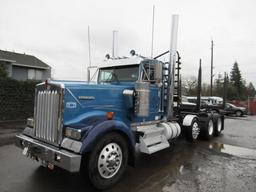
pixel 251 92
pixel 3 72
pixel 237 82
pixel 206 89
pixel 189 85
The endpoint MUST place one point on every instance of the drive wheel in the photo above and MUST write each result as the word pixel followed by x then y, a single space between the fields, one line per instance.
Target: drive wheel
pixel 107 161
pixel 192 131
pixel 207 128
pixel 217 125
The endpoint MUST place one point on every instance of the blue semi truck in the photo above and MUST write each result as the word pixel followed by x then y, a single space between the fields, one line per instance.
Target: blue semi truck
pixel 98 127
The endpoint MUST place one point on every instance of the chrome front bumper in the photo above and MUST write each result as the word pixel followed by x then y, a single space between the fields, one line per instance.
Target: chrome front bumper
pixel 49 154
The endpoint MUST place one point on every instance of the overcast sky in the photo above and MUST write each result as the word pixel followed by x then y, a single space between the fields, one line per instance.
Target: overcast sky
pixel 55 31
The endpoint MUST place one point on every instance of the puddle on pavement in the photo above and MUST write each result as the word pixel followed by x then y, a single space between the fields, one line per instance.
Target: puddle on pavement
pixel 234 150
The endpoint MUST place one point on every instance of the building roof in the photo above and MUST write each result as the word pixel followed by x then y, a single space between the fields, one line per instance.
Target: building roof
pixel 23 60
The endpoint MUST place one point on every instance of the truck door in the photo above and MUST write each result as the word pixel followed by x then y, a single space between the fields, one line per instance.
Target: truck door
pixel 155 90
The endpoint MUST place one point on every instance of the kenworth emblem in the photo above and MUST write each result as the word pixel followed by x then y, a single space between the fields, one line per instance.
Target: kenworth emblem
pixel 86 97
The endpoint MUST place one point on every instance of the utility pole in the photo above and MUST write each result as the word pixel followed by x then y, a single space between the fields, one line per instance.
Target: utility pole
pixel 199 86
pixel 211 64
pixel 225 90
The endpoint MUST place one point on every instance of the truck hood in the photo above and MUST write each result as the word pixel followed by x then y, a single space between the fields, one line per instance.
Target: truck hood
pixel 84 102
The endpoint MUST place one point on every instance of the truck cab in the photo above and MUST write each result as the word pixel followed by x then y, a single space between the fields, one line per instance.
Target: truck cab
pixel 71 118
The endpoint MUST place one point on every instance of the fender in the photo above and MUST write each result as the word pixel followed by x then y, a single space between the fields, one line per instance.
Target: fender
pixel 188 120
pixel 95 133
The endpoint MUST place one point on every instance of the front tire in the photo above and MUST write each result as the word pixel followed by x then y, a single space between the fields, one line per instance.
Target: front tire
pixel 239 113
pixel 107 161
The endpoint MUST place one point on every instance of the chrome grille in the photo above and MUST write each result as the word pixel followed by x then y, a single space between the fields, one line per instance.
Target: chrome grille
pixel 47 118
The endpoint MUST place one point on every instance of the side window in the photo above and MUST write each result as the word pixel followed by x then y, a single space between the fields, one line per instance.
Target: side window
pixel 148 73
pixel 152 71
pixel 39 75
pixel 31 74
pixel 35 74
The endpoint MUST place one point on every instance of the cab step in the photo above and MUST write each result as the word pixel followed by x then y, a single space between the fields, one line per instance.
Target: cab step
pixel 153 139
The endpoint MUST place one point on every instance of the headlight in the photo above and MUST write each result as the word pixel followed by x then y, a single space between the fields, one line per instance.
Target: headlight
pixel 73 133
pixel 30 122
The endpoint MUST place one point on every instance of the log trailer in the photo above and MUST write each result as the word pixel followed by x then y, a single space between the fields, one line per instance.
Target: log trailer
pixel 98 127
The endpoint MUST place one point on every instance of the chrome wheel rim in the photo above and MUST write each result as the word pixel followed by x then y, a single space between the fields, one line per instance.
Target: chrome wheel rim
pixel 110 160
pixel 210 128
pixel 238 113
pixel 219 125
pixel 195 130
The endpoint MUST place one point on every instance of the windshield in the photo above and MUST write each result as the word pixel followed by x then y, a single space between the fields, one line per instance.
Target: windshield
pixel 119 74
pixel 230 105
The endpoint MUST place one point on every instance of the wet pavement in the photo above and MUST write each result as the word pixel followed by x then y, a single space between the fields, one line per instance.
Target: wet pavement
pixel 227 163
pixel 8 130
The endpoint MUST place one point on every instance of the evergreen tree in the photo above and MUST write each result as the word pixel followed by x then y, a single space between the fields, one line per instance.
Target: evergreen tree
pixel 237 82
pixel 251 90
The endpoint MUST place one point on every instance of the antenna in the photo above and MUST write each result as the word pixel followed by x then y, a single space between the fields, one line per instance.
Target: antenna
pixel 89 52
pixel 153 27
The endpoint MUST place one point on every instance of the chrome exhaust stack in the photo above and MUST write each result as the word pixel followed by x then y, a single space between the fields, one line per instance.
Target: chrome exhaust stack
pixel 172 60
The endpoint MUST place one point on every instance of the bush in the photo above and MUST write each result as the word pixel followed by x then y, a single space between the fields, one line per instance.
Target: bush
pixel 16 99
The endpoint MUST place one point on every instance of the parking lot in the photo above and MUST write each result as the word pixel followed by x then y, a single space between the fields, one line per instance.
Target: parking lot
pixel 226 163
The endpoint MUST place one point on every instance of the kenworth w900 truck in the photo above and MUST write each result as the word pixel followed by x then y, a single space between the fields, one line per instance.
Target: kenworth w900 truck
pixel 98 127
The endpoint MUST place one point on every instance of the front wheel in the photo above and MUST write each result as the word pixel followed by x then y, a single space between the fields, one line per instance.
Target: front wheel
pixel 107 161
pixel 239 113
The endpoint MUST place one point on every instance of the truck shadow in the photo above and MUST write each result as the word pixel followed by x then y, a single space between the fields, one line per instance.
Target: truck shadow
pixel 44 179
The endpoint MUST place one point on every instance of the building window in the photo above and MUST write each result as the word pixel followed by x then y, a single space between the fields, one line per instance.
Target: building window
pixel 35 74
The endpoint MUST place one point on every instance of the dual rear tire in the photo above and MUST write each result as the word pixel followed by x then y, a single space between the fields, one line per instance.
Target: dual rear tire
pixel 218 124
pixel 212 125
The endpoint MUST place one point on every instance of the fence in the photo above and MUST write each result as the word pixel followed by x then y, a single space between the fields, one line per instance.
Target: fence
pixel 250 105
